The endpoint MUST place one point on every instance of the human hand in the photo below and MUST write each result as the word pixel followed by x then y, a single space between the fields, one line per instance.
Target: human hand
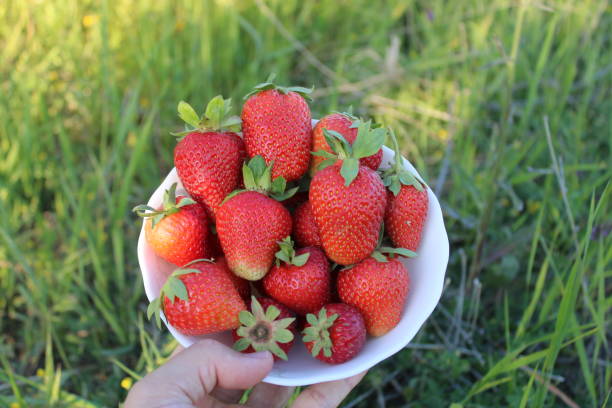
pixel 211 375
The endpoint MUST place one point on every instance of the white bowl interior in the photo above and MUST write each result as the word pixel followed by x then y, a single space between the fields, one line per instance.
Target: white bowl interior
pixel 427 272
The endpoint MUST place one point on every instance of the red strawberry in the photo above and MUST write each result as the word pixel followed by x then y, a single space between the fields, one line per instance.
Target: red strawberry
pixel 336 335
pixel 276 124
pixel 209 158
pixel 250 223
pixel 407 203
pixel 241 285
pixel 305 229
pixel 178 232
pixel 348 200
pixel 378 290
pixel 198 299
pixel 267 325
pixel 302 280
pixel 346 125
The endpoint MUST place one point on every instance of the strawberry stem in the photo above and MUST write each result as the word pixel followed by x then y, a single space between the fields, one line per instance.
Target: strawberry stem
pixel 368 142
pixel 216 117
pixel 169 207
pixel 397 175
pixel 269 84
pixel 258 177
pixel 287 254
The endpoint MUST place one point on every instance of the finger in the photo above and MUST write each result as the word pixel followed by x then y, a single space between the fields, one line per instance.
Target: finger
pixel 269 396
pixel 228 396
pixel 328 394
pixel 196 371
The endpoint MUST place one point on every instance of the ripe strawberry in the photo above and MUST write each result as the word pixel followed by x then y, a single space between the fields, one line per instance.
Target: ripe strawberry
pixel 336 335
pixel 178 232
pixel 345 124
pixel 267 325
pixel 378 288
pixel 407 204
pixel 348 200
pixel 208 158
pixel 301 281
pixel 250 223
pixel 305 229
pixel 241 285
pixel 208 301
pixel 276 124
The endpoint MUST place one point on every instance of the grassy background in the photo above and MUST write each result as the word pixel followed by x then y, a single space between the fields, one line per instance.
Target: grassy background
pixel 504 107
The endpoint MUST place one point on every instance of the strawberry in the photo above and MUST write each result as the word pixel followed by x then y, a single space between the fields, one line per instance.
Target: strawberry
pixel 348 200
pixel 336 334
pixel 346 124
pixel 276 124
pixel 268 325
pixel 178 231
pixel 305 229
pixel 251 222
pixel 241 285
pixel 209 157
pixel 407 204
pixel 198 299
pixel 300 280
pixel 377 287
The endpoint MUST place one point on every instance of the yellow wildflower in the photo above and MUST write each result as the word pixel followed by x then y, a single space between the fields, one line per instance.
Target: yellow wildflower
pixel 443 134
pixel 40 372
pixel 126 383
pixel 90 20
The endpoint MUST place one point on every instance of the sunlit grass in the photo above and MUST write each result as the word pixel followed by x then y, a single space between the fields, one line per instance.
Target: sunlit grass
pixel 503 106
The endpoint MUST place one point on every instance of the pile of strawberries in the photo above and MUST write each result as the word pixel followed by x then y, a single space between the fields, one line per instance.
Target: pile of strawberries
pixel 288 228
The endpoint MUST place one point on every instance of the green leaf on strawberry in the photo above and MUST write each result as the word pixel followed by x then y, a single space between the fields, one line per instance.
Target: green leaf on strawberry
pixel 188 114
pixel 369 141
pixel 169 206
pixel 269 84
pixel 216 117
pixel 260 329
pixel 258 177
pixel 173 288
pixel 286 253
pixel 396 175
pixel 318 332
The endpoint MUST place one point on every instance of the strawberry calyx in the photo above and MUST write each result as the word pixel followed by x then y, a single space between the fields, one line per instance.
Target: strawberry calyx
pixel 287 253
pixel 369 140
pixel 260 329
pixel 216 117
pixel 397 175
pixel 258 177
pixel 169 207
pixel 269 84
pixel 349 114
pixel 391 252
pixel 172 289
pixel 318 332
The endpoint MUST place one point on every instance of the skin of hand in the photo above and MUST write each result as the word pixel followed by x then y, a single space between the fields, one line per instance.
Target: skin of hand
pixel 211 375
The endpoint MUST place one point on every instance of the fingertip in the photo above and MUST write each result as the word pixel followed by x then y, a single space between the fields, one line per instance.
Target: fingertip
pixel 245 370
pixel 260 355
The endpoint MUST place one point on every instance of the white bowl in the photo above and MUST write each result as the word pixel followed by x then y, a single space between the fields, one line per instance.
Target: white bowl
pixel 426 280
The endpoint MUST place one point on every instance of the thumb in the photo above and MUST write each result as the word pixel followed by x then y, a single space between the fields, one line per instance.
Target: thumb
pixel 197 370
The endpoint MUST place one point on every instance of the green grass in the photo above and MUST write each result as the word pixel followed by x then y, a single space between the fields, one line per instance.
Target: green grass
pixel 503 106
